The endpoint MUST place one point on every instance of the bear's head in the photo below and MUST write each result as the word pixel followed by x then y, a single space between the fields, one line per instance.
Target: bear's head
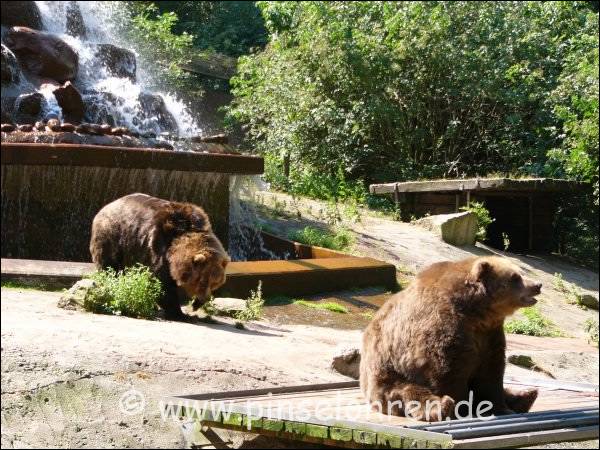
pixel 197 263
pixel 502 284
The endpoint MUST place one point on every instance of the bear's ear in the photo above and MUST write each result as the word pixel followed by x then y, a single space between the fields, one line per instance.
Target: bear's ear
pixel 477 276
pixel 225 261
pixel 480 270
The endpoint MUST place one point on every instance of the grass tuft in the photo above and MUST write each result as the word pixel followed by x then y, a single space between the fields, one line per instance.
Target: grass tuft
pixel 328 306
pixel 533 323
pixel 339 240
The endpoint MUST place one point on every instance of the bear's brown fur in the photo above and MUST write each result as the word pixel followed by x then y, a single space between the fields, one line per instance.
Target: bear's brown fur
pixel 175 240
pixel 443 337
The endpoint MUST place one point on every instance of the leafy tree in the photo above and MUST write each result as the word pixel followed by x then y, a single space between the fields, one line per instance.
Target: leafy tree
pixel 230 27
pixel 390 91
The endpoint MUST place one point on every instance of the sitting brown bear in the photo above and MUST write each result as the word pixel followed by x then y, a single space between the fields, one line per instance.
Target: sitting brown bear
pixel 175 240
pixel 442 340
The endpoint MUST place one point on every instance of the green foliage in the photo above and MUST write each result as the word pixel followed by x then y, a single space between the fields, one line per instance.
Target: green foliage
pixel 254 306
pixel 484 219
pixel 230 27
pixel 152 35
pixel 133 292
pixel 393 91
pixel 591 328
pixel 327 306
pixel 533 323
pixel 339 240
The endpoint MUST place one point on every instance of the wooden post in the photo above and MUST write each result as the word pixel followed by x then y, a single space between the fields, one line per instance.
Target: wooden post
pixel 456 202
pixel 468 198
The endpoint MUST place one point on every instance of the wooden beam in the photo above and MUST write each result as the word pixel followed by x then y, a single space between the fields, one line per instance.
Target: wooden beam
pixel 31 154
pixel 482 184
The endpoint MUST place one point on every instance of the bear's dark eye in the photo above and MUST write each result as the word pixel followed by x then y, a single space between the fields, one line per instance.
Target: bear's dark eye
pixel 515 278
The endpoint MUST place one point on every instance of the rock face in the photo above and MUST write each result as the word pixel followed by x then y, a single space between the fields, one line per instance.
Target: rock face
pixel 42 54
pixel 7 109
pixel 118 61
pixel 455 229
pixel 71 102
pixel 75 297
pixel 25 14
pixel 347 362
pixel 75 23
pixel 29 108
pixel 10 67
pixel 155 112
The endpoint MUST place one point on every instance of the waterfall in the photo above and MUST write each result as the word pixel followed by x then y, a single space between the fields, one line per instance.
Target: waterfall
pixel 117 100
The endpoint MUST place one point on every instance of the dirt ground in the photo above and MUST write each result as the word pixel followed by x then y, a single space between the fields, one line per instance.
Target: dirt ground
pixel 412 248
pixel 74 379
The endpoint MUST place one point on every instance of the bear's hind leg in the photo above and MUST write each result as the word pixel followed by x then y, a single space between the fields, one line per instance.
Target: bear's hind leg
pixel 520 401
pixel 411 400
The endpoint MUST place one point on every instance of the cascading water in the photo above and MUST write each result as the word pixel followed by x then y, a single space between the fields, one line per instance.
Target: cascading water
pixel 245 240
pixel 119 99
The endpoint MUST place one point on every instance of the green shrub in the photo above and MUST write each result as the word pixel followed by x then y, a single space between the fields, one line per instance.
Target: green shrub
pixel 327 306
pixel 133 292
pixel 254 306
pixel 484 219
pixel 533 323
pixel 339 240
pixel 591 328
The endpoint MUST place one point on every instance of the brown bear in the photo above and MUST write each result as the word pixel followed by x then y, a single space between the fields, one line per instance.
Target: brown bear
pixel 175 240
pixel 441 340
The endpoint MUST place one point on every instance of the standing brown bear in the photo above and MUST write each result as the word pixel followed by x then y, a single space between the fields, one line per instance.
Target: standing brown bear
pixel 175 240
pixel 442 338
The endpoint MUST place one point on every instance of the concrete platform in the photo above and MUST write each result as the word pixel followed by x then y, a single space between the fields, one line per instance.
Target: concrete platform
pixel 293 277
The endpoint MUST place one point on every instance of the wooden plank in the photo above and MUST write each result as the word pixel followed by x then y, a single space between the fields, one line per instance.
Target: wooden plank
pixel 529 439
pixel 278 277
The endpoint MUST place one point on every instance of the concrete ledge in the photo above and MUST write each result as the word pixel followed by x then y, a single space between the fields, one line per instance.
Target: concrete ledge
pixel 293 277
pixel 31 154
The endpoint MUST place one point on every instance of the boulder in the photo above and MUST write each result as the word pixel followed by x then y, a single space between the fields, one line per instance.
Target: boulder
pixel 101 107
pixel 29 108
pixel 43 54
pixel 228 306
pixel 589 301
pixel 26 14
pixel 10 67
pixel 70 101
pixel 75 23
pixel 75 297
pixel 346 361
pixel 155 113
pixel 119 62
pixel 527 362
pixel 455 229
